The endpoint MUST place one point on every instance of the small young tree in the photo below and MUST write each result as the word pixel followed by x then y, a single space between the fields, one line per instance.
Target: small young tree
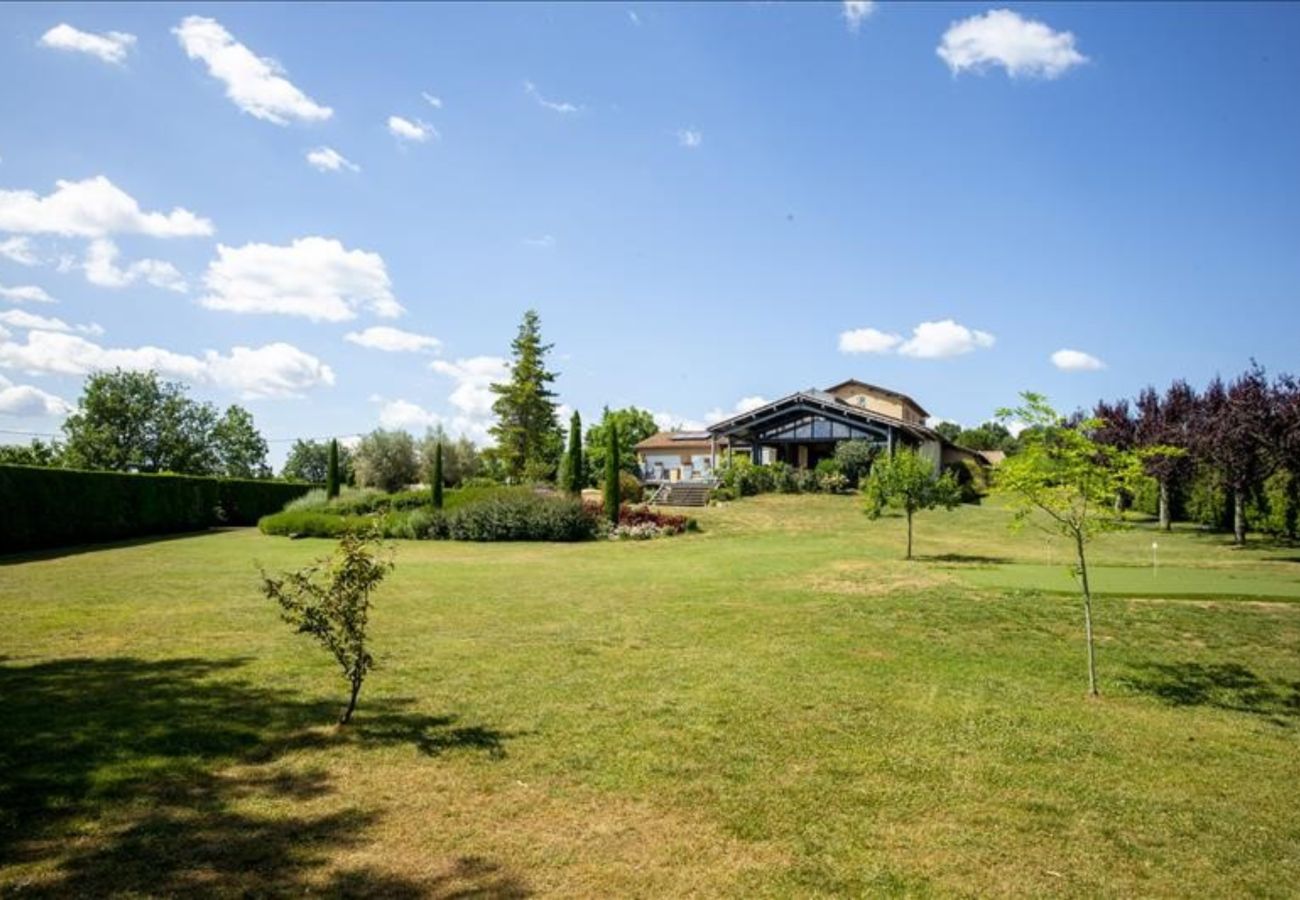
pixel 1064 472
pixel 332 472
pixel 572 477
pixel 906 480
pixel 437 476
pixel 330 600
pixel 613 500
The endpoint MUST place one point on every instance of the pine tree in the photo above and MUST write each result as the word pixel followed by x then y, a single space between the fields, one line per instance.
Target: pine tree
pixel 612 498
pixel 573 469
pixel 528 439
pixel 437 476
pixel 332 473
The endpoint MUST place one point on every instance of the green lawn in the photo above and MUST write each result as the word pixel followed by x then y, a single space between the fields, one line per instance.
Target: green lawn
pixel 777 706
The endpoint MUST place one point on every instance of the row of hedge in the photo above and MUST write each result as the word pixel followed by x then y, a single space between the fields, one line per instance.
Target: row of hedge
pixel 504 514
pixel 45 507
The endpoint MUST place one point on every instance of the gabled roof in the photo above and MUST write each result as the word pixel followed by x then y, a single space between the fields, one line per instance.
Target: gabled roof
pixel 878 389
pixel 821 401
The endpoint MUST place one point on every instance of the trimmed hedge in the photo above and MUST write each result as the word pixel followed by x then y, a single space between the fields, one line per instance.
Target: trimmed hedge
pixel 44 507
pixel 492 514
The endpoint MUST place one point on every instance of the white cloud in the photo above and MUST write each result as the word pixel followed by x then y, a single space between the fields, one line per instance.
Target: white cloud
pixel 25 293
pixel 327 159
pixel 473 378
pixel 313 277
pixel 25 400
pixel 689 138
pixel 17 318
pixel 406 415
pixel 555 106
pixel 275 370
pixel 94 207
pixel 1076 361
pixel 111 46
pixel 435 102
pixel 668 421
pixel 102 269
pixel 633 17
pixel 406 130
pixel 868 340
pixel 743 405
pixel 392 340
pixel 19 249
pixel 254 84
pixel 855 12
pixel 1001 37
pixel 545 240
pixel 939 340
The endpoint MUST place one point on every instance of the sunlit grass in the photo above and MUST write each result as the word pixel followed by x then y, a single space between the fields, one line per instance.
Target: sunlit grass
pixel 777 706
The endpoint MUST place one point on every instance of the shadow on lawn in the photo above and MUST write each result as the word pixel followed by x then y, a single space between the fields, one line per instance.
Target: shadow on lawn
pixel 118 773
pixel 26 556
pixel 1228 686
pixel 964 558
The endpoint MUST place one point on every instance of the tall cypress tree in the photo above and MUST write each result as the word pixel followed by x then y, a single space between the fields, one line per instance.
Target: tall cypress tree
pixel 529 441
pixel 437 476
pixel 332 472
pixel 573 468
pixel 612 497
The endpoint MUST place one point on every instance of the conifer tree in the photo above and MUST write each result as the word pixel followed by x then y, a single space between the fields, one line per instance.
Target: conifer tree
pixel 332 473
pixel 612 497
pixel 437 476
pixel 529 441
pixel 573 468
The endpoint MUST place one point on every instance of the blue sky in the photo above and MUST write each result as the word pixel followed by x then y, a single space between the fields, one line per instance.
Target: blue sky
pixel 700 200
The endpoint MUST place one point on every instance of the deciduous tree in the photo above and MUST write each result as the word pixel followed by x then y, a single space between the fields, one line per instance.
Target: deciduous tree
pixel 907 481
pixel 330 600
pixel 1063 480
pixel 634 426
pixel 386 460
pixel 133 421
pixel 239 446
pixel 1236 434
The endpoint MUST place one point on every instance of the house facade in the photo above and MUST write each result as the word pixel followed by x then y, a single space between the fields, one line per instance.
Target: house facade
pixel 800 430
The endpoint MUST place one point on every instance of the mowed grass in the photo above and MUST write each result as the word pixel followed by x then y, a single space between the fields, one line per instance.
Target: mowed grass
pixel 778 706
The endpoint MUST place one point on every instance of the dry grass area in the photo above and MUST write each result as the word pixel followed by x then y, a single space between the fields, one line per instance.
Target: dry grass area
pixel 779 706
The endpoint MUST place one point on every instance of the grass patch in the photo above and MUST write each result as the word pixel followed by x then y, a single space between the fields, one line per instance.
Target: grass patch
pixel 779 706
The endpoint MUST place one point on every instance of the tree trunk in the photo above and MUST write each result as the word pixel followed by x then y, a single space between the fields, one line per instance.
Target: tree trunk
pixel 909 534
pixel 1165 523
pixel 1239 516
pixel 352 702
pixel 1087 615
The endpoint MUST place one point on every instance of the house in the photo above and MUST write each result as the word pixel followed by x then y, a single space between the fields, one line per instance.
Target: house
pixel 800 430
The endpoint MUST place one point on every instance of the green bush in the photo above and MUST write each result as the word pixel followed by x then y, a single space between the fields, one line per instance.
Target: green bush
pixel 855 459
pixel 1276 509
pixel 422 524
pixel 311 524
pixel 60 507
pixel 630 488
pixel 521 517
pixel 1208 503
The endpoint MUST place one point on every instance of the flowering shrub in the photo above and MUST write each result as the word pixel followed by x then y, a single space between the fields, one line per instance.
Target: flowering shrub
pixel 641 522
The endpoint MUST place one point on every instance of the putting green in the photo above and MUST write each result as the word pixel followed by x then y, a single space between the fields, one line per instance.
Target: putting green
pixel 1136 581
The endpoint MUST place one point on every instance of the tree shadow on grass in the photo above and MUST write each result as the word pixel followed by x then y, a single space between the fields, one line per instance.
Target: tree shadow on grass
pixel 1229 686
pixel 128 776
pixel 963 558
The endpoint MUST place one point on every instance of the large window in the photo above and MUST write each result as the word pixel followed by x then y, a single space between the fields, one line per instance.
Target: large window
pixel 816 428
